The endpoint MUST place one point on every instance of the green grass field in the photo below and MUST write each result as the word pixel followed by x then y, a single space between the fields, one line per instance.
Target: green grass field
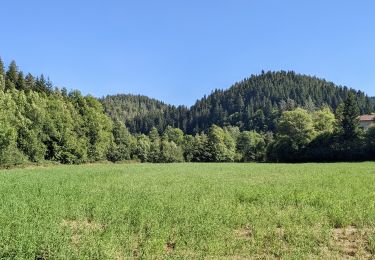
pixel 117 211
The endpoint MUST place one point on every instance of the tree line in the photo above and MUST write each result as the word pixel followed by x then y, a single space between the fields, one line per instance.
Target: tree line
pixel 301 136
pixel 254 104
pixel 39 122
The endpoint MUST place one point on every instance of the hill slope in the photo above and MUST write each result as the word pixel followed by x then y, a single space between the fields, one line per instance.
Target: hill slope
pixel 141 113
pixel 252 104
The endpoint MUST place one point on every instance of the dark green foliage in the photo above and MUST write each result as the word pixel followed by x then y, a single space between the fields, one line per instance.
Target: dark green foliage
pixel 141 114
pixel 2 75
pixel 122 145
pixel 21 84
pixel 221 146
pixel 155 143
pixel 11 77
pixel 255 103
pixel 297 126
pixel 170 152
pixel 188 147
pixel 263 96
pixel 289 116
pixel 2 70
pixel 173 135
pixel 370 141
pixel 372 103
pixel 348 117
pixel 142 148
pixel 40 124
pixel 251 146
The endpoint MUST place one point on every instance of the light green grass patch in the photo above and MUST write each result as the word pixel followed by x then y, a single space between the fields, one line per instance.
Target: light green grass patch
pixel 108 211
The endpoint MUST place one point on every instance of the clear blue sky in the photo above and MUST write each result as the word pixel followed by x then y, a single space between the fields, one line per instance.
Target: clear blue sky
pixel 177 51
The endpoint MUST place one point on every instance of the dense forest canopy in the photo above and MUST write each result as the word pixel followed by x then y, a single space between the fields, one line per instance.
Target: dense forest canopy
pixel 255 103
pixel 276 116
pixel 141 113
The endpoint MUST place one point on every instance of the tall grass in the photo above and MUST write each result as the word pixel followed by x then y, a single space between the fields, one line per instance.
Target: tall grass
pixel 185 210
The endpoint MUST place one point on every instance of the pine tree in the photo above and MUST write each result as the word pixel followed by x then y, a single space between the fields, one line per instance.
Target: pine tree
pixel 21 84
pixel 349 118
pixel 12 73
pixel 29 82
pixel 2 75
pixel 11 76
pixel 2 70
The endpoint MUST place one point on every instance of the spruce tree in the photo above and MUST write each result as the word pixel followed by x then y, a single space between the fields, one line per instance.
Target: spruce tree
pixel 2 75
pixel 11 76
pixel 21 84
pixel 2 71
pixel 12 73
pixel 29 82
pixel 349 118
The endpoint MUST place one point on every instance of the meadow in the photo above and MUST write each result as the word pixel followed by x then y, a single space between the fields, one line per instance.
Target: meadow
pixel 188 211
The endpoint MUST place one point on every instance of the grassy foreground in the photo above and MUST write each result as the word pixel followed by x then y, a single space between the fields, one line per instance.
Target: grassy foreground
pixel 108 211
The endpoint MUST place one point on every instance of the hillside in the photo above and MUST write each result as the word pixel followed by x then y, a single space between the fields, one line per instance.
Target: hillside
pixel 141 113
pixel 41 123
pixel 252 104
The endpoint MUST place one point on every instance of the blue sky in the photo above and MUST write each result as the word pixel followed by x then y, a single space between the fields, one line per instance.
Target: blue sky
pixel 177 51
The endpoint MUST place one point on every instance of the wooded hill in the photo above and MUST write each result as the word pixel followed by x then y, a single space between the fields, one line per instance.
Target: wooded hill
pixel 256 103
pixel 292 116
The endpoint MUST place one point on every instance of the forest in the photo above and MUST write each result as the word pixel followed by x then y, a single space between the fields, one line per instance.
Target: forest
pixel 271 117
pixel 255 104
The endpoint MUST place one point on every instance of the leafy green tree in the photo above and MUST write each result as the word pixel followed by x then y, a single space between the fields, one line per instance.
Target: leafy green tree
pixel 230 144
pixel 9 153
pixel 220 145
pixel 297 125
pixel 202 151
pixel 171 152
pixel 98 129
pixel 121 147
pixel 154 153
pixel 324 121
pixel 142 149
pixel 251 146
pixel 173 135
pixel 188 147
pixel 154 134
pixel 31 121
pixel 282 150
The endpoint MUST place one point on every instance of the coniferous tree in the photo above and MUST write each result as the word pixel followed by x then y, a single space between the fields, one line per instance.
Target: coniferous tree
pixel 21 84
pixel 271 93
pixel 29 82
pixel 11 76
pixel 2 68
pixel 349 118
pixel 2 76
